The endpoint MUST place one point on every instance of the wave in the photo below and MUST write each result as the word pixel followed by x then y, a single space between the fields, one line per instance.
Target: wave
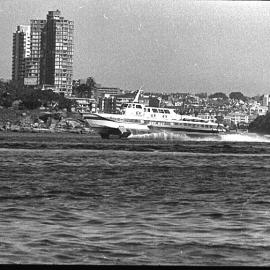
pixel 232 137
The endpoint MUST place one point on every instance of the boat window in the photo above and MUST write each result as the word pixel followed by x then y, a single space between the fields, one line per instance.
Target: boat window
pixel 166 111
pixel 155 110
pixel 129 105
pixel 138 106
pixel 133 105
pixel 148 110
pixel 160 110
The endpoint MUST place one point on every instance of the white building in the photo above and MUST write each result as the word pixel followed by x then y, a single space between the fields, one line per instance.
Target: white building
pixel 237 117
pixel 84 104
pixel 258 109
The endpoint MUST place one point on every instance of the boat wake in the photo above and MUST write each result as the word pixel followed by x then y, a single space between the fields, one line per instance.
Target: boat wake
pixel 233 137
pixel 244 137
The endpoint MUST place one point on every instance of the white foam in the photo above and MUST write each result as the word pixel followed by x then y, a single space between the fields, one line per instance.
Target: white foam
pixel 244 137
pixel 237 137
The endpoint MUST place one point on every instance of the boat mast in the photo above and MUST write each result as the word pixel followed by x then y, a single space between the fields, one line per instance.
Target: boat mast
pixel 136 99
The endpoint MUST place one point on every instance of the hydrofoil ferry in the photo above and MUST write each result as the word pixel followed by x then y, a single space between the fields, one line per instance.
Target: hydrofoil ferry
pixel 136 118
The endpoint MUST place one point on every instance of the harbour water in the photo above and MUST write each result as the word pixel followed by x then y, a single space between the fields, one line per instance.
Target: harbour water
pixel 160 200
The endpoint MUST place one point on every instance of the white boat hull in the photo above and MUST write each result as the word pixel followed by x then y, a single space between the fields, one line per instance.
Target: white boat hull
pixel 122 128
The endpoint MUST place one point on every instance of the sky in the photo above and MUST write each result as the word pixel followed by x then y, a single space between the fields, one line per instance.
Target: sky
pixel 159 45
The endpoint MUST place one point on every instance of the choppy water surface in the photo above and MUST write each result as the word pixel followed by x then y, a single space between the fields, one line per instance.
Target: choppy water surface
pixel 112 202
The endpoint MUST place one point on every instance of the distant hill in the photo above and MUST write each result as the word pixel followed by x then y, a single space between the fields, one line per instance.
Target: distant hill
pixel 260 125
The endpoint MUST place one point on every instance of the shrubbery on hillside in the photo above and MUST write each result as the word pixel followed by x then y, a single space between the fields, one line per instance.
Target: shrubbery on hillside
pixel 32 98
pixel 237 95
pixel 261 124
pixel 219 95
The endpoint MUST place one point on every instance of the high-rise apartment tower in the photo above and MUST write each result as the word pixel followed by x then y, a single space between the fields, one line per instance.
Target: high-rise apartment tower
pixel 51 53
pixel 21 51
pixel 32 72
pixel 57 52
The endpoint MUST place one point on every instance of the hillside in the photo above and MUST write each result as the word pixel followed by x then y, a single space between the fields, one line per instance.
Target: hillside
pixel 260 125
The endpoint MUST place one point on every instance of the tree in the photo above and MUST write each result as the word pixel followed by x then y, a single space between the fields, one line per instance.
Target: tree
pixel 31 103
pixel 258 98
pixel 86 90
pixel 237 95
pixel 218 95
pixel 201 95
pixel 65 103
pixel 91 83
pixel 220 119
pixel 47 97
pixel 6 100
pixel 83 91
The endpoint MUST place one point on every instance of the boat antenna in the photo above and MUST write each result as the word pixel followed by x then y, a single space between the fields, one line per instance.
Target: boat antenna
pixel 136 99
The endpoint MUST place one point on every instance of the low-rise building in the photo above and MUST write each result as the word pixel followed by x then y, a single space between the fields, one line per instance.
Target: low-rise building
pixel 100 92
pixel 237 117
pixel 258 109
pixel 107 104
pixel 84 104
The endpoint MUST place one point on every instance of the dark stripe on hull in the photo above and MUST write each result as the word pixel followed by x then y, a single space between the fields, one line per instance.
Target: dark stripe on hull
pixel 105 132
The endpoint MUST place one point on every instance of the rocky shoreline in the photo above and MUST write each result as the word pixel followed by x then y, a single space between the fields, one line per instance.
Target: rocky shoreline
pixel 38 121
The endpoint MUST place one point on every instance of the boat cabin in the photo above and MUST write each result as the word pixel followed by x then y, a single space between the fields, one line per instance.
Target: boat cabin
pixel 138 110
